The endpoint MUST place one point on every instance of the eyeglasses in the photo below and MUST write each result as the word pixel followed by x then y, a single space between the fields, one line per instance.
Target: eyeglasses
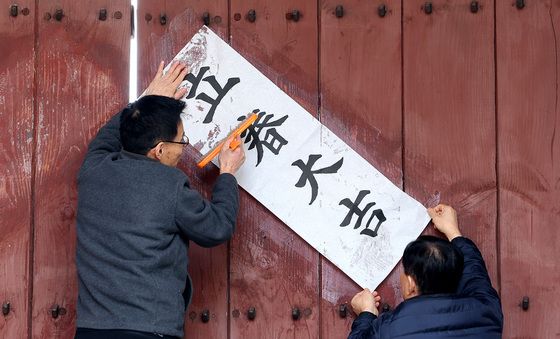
pixel 184 141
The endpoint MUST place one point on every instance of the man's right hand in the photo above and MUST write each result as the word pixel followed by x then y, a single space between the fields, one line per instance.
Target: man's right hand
pixel 444 218
pixel 366 301
pixel 167 84
pixel 231 160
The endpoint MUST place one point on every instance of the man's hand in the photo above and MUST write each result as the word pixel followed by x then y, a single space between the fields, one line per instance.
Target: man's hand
pixel 166 84
pixel 230 160
pixel 444 218
pixel 366 301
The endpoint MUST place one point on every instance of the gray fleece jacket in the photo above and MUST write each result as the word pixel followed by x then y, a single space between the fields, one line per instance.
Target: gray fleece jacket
pixel 135 219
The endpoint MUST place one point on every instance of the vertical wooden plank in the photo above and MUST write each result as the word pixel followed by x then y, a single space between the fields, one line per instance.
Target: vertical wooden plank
pixel 360 81
pixel 449 114
pixel 529 172
pixel 156 42
pixel 161 40
pixel 82 80
pixel 16 150
pixel 273 269
pixel 282 49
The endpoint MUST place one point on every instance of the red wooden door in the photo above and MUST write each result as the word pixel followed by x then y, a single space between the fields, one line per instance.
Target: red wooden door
pixel 451 107
pixel 272 268
pixel 16 163
pixel 161 39
pixel 529 170
pixel 449 114
pixel 82 77
pixel 360 81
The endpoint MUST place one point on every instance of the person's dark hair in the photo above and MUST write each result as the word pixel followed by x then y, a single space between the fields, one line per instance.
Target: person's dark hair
pixel 435 264
pixel 149 120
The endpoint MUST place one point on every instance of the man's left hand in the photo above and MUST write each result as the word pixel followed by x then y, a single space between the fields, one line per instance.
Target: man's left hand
pixel 366 301
pixel 167 84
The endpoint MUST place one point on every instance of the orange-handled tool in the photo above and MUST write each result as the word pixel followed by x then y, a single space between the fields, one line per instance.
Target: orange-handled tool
pixel 234 143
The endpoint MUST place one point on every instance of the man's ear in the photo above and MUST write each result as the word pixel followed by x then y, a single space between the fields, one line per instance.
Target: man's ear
pixel 156 153
pixel 411 288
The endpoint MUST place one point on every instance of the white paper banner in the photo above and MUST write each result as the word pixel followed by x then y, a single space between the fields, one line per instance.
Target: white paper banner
pixel 296 167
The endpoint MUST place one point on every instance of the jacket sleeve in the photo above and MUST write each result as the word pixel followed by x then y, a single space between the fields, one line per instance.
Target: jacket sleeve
pixel 208 223
pixel 475 281
pixel 364 326
pixel 106 141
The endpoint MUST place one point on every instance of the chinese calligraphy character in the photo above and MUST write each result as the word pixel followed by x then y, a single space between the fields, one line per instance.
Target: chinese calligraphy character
pixel 354 209
pixel 308 175
pixel 222 91
pixel 272 139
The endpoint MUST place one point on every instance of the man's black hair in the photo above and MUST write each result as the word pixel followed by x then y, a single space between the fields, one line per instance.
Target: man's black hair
pixel 149 120
pixel 435 264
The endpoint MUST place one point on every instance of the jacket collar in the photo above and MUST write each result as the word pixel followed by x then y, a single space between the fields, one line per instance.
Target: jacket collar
pixel 134 156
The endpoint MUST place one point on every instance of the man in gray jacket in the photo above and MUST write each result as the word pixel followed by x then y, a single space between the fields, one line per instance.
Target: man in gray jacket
pixel 137 214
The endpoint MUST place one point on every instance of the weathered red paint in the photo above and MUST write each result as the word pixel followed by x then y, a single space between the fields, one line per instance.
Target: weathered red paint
pixel 528 153
pixel 273 269
pixel 449 115
pixel 449 142
pixel 16 164
pixel 360 83
pixel 82 79
pixel 157 42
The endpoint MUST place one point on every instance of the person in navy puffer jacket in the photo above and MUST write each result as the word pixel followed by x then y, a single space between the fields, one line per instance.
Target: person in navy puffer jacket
pixel 446 289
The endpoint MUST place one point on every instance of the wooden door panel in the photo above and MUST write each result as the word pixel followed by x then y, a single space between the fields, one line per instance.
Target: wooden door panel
pixel 16 163
pixel 165 27
pixel 82 80
pixel 361 102
pixel 449 114
pixel 156 42
pixel 273 269
pixel 528 153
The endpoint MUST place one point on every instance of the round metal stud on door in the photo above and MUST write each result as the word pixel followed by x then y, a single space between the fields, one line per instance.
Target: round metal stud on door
pixel 474 7
pixel 205 316
pixel 251 313
pixel 251 15
pixel 343 310
pixel 57 311
pixel 296 313
pixel 6 308
pixel 382 11
pixel 102 14
pixel 520 4
pixel 428 8
pixel 293 15
pixel 339 11
pixel 163 19
pixel 14 10
pixel 59 14
pixel 385 308
pixel 524 304
pixel 206 18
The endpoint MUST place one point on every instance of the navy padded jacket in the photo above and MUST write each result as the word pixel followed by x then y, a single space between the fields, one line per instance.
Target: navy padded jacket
pixel 473 312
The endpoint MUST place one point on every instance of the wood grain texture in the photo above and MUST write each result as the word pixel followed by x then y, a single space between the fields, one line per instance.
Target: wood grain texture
pixel 360 81
pixel 449 115
pixel 273 269
pixel 16 151
pixel 82 80
pixel 207 266
pixel 157 42
pixel 529 170
pixel 285 51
